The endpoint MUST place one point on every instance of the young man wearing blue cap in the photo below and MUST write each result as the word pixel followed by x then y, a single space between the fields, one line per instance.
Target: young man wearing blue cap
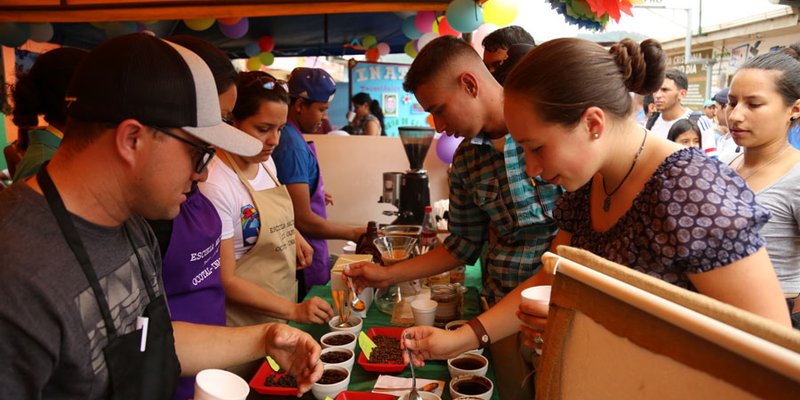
pixel 311 91
pixel 82 308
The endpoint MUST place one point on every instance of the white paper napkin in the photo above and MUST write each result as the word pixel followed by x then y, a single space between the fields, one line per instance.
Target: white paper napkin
pixel 388 381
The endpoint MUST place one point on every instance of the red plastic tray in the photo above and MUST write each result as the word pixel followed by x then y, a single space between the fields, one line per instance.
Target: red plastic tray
pixel 374 367
pixel 364 396
pixel 257 383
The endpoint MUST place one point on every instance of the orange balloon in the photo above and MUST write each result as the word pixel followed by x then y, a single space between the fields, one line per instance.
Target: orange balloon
pixel 430 122
pixel 229 21
pixel 373 54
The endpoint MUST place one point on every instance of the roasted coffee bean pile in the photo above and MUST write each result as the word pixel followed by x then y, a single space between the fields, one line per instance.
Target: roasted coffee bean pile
pixel 332 376
pixel 387 352
pixel 338 340
pixel 334 357
pixel 282 381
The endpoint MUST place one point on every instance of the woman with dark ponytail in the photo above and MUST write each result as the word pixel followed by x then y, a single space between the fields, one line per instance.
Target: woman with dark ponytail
pixel 633 198
pixel 41 92
pixel 368 118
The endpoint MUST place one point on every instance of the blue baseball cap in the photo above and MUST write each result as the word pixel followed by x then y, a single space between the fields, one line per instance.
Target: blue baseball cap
pixel 722 96
pixel 708 102
pixel 312 84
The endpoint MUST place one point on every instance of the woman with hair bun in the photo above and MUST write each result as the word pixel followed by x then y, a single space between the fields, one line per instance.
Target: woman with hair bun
pixel 764 103
pixel 41 91
pixel 633 198
pixel 367 116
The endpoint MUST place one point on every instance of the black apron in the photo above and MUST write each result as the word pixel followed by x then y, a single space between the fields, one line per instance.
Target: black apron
pixel 152 374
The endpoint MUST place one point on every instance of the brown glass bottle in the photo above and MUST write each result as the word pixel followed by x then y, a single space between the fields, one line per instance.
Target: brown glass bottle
pixel 366 243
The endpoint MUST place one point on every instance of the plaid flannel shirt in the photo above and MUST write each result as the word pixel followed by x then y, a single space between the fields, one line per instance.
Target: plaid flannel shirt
pixel 490 191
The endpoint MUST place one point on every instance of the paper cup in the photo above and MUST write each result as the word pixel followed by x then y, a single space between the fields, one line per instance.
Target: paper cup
pixel 217 384
pixel 424 311
pixel 537 295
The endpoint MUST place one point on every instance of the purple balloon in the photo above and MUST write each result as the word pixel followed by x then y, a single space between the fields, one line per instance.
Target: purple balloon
pixel 235 31
pixel 446 146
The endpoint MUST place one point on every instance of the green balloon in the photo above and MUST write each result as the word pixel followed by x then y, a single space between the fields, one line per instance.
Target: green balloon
pixel 267 58
pixel 369 41
pixel 411 49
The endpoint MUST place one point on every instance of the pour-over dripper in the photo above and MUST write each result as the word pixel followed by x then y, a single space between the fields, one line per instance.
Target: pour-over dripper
pixel 416 141
pixel 395 248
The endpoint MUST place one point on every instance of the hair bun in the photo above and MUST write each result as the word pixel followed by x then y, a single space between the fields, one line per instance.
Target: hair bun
pixel 642 66
pixel 793 51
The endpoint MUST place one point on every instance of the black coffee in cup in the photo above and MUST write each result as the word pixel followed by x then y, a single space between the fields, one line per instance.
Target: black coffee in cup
pixel 472 386
pixel 338 340
pixel 468 363
pixel 331 376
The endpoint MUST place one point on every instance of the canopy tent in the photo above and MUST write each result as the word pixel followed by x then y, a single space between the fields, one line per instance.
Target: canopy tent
pixel 300 28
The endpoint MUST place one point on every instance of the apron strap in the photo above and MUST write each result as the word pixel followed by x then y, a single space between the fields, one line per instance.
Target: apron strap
pixel 151 294
pixel 75 243
pixel 241 176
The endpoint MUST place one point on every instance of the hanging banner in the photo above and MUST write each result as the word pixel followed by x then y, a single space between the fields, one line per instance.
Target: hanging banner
pixel 384 83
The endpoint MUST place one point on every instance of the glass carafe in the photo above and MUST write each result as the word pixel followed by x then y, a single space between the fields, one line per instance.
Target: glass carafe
pixel 394 248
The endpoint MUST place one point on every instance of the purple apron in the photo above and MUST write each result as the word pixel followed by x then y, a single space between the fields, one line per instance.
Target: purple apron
pixel 319 273
pixel 191 270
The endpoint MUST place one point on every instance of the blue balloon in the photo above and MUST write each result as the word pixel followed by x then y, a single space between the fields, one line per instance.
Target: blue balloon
pixel 464 15
pixel 14 34
pixel 252 49
pixel 410 28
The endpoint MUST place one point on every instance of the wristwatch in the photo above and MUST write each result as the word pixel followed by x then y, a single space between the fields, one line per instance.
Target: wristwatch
pixel 480 333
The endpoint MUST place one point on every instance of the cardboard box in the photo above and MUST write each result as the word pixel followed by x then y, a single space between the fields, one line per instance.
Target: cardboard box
pixel 337 283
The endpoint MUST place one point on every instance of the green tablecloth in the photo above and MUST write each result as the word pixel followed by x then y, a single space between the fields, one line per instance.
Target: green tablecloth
pixel 363 381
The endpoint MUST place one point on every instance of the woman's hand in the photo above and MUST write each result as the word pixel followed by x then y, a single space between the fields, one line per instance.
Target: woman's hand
pixel 313 310
pixel 367 274
pixel 305 253
pixel 296 352
pixel 534 320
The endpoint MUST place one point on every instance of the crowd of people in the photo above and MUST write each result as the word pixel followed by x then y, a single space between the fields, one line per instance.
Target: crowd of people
pixel 172 191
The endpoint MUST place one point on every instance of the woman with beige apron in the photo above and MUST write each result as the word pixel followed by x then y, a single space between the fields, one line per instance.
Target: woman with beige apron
pixel 258 218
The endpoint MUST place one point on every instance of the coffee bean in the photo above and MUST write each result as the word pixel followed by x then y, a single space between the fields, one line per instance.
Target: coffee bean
pixel 387 351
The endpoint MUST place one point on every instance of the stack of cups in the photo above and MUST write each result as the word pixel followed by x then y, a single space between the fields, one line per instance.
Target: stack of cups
pixel 424 311
pixel 540 296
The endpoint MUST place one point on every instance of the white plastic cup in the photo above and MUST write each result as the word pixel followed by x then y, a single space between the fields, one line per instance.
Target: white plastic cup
pixel 217 384
pixel 424 311
pixel 537 295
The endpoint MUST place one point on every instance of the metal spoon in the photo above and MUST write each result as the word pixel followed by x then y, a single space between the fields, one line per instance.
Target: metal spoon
pixel 430 387
pixel 413 394
pixel 356 303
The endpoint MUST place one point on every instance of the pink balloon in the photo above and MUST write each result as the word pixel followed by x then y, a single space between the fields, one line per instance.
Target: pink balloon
pixel 384 48
pixel 446 147
pixel 424 21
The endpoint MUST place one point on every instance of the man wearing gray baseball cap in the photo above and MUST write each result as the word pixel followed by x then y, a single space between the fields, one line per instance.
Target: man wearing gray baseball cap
pixel 82 310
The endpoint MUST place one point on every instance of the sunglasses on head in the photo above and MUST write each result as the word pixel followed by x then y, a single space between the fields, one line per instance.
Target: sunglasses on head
pixel 269 82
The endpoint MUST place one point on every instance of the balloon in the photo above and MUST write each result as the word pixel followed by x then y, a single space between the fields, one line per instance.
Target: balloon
pixel 464 15
pixel 252 49
pixel 442 27
pixel 42 32
pixel 446 147
pixel 384 48
pixel 410 48
pixel 236 30
pixel 425 39
pixel 373 54
pixel 114 29
pixel 266 43
pixel 369 41
pixel 479 34
pixel 424 20
pixel 253 64
pixel 266 58
pixel 14 34
pixel 500 12
pixel 410 28
pixel 199 24
pixel 229 21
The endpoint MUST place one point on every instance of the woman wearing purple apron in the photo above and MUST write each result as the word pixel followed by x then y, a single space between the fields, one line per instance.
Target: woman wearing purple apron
pixel 311 90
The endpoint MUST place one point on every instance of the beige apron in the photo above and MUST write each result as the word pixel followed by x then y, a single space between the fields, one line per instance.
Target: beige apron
pixel 272 261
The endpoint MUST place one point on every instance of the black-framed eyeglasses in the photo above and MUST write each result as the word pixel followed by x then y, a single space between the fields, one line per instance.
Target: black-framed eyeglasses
pixel 206 153
pixel 270 83
pixel 227 120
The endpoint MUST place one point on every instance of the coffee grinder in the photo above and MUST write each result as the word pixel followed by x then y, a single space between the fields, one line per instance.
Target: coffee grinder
pixel 415 192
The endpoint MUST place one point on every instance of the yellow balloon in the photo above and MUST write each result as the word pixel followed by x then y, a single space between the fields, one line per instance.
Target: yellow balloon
pixel 199 24
pixel 411 49
pixel 253 64
pixel 500 12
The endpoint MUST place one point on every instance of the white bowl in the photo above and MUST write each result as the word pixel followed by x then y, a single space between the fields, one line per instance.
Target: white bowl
pixel 355 321
pixel 485 396
pixel 347 364
pixel 349 346
pixel 458 371
pixel 321 391
pixel 425 396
